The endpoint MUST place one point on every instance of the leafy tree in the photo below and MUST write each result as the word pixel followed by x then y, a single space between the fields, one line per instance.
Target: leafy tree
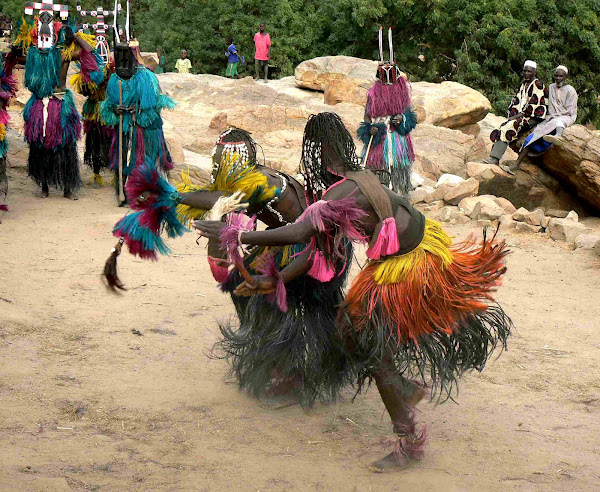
pixel 480 43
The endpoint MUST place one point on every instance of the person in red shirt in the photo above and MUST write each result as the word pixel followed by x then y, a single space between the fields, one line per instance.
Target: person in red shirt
pixel 262 42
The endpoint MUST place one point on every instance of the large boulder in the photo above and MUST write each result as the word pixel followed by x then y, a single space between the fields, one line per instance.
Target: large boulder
pixel 450 104
pixel 342 78
pixel 566 230
pixel 577 163
pixel 150 59
pixel 441 150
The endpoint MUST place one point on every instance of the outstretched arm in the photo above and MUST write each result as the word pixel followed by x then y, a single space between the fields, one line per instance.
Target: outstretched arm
pixel 200 199
pixel 297 233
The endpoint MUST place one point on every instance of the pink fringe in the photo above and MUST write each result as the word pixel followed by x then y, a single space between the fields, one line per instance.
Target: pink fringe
pixel 4 117
pixel 375 157
pixel 140 148
pixel 340 216
pixel 387 240
pixel 3 208
pixel 54 127
pixel 219 272
pixel 412 445
pixel 267 267
pixel 236 222
pixel 321 269
pixel 88 64
pixel 387 100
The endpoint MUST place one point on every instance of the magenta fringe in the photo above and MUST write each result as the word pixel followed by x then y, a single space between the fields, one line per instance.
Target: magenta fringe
pixel 387 100
pixel 336 216
pixel 4 117
pixel 236 222
pixel 267 267
pixel 140 149
pixel 54 129
pixel 219 272
pixel 88 64
pixel 387 240
pixel 3 208
pixel 321 269
pixel 375 158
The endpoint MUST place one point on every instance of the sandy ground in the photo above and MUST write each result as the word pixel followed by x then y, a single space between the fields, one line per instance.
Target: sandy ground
pixel 86 404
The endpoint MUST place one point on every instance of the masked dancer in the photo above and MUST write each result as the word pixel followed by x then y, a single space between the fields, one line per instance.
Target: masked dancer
pixel 8 90
pixel 389 119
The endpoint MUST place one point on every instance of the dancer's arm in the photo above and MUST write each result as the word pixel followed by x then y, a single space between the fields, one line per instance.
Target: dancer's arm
pixel 264 284
pixel 204 200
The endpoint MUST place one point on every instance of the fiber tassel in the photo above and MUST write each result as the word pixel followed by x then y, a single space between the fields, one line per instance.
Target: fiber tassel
pixel 387 240
pixel 218 268
pixel 321 269
pixel 3 208
pixel 266 266
pixel 410 444
pixel 230 237
pixel 113 282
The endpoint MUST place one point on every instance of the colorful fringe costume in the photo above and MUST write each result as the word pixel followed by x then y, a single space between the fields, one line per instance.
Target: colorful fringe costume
pixel 391 153
pixel 143 138
pixel 98 135
pixel 421 308
pixel 52 122
pixel 8 90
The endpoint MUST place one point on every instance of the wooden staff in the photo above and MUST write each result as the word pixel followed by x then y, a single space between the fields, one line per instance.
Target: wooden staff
pixel 121 192
pixel 368 150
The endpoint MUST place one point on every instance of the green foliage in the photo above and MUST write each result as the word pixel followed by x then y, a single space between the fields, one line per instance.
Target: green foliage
pixel 480 43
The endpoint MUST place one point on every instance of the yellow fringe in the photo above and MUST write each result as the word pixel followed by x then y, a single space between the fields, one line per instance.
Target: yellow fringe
pixel 24 37
pixel 2 132
pixel 67 51
pixel 231 176
pixel 98 179
pixel 77 82
pixel 185 213
pixel 398 268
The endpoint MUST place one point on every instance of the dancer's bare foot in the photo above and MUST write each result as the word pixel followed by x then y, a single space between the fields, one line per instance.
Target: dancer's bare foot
pixel 70 195
pixel 553 139
pixel 390 463
pixel 277 402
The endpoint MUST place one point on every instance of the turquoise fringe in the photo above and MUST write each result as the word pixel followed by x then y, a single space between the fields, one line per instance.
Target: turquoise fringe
pixel 42 71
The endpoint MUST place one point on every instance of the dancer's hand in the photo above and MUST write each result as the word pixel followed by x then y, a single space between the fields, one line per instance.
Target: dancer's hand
pixel 397 119
pixel 146 197
pixel 209 228
pixel 262 285
pixel 120 109
pixel 373 130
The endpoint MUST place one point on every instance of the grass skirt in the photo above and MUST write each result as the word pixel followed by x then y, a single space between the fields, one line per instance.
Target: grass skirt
pixel 431 307
pixel 302 344
pixel 58 168
pixel 98 139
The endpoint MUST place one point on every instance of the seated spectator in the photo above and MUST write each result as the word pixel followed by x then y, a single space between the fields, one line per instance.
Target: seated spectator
pixel 562 113
pixel 526 110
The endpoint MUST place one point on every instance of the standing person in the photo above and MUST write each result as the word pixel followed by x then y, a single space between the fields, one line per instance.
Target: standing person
pixel 8 90
pixel 262 55
pixel 232 59
pixel 562 113
pixel 420 308
pixel 160 68
pixel 527 108
pixel 183 65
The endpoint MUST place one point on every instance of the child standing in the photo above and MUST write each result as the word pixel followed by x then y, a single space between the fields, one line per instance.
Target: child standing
pixel 183 65
pixel 232 59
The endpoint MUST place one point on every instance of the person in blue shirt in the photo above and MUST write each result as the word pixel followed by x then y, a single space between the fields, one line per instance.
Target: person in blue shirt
pixel 232 59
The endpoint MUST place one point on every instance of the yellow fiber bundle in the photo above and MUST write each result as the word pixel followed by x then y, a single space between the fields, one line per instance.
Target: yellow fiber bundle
pixel 398 268
pixel 67 51
pixel 24 37
pixel 2 132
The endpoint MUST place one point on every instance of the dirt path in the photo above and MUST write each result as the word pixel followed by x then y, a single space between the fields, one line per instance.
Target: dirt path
pixel 88 405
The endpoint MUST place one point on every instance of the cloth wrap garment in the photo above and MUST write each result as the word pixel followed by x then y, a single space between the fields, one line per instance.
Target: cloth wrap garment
pixel 532 101
pixel 391 154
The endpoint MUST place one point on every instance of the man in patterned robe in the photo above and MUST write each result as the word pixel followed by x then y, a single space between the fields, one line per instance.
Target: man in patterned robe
pixel 526 110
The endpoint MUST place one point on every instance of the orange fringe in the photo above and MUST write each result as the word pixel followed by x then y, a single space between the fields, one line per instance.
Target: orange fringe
pixel 435 296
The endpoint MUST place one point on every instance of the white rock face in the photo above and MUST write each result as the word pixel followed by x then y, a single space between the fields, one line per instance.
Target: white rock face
pixel 449 179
